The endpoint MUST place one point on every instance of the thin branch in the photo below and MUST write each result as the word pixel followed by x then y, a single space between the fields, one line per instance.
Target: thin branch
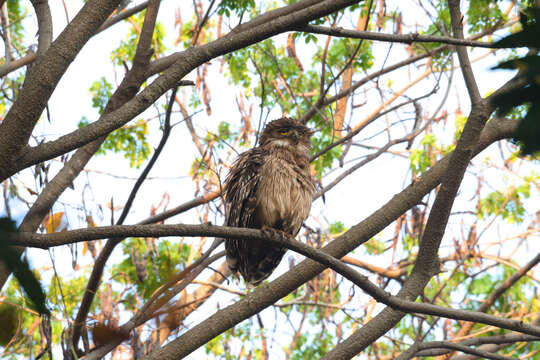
pixel 151 307
pixel 355 132
pixel 202 23
pixel 453 346
pixel 406 38
pixel 6 32
pixel 122 16
pixel 181 208
pixel 16 64
pixel 482 340
pixel 150 165
pixel 427 263
pixel 31 56
pixel 322 102
pixel 465 64
pixel 369 158
pixel 498 291
pixel 45 26
pixel 277 240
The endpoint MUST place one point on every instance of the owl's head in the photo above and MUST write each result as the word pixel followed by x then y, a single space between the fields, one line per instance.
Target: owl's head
pixel 286 132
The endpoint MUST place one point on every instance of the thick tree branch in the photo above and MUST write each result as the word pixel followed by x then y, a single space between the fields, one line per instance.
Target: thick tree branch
pixel 42 78
pixel 427 262
pixel 276 239
pixel 185 62
pixel 268 294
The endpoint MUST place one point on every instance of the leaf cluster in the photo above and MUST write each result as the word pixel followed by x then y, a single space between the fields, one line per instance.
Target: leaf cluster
pixel 528 66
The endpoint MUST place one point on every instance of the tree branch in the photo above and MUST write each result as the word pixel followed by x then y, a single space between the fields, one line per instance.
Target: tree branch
pixel 453 346
pixel 185 62
pixel 122 16
pixel 42 78
pixel 428 349
pixel 322 102
pixel 465 64
pixel 30 57
pixel 406 38
pixel 45 26
pixel 276 239
pixel 127 89
pixel 427 262
pixel 267 294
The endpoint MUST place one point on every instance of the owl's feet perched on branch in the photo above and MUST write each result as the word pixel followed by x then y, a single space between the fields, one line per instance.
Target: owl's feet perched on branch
pixel 270 231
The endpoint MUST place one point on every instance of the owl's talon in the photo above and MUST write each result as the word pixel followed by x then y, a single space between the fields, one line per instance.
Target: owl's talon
pixel 275 232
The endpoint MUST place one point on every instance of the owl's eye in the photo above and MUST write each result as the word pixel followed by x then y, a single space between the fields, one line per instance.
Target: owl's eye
pixel 283 131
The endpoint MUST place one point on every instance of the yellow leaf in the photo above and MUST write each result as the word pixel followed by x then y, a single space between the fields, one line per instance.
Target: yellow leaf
pixel 52 222
pixel 90 221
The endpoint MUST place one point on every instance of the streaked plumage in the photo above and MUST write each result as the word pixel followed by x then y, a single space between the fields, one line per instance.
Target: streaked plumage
pixel 269 186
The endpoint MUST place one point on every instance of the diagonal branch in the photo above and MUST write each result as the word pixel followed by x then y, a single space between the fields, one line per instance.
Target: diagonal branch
pixel 450 345
pixel 127 89
pixel 42 78
pixel 427 263
pixel 267 294
pixel 31 56
pixel 122 16
pixel 185 62
pixel 322 102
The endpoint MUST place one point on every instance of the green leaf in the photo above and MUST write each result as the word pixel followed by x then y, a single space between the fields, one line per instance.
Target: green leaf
pixel 20 268
pixel 528 133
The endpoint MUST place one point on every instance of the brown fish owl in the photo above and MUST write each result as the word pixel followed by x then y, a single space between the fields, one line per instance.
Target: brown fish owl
pixel 269 186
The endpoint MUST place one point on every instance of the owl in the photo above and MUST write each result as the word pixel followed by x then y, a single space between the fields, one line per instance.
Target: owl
pixel 268 187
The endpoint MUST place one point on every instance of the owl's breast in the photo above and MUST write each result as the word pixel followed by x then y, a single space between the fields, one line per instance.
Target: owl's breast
pixel 284 195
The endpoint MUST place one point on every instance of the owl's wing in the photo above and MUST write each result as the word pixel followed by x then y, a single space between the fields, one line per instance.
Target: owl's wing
pixel 241 187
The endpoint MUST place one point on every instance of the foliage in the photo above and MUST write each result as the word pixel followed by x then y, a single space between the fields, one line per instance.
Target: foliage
pixel 528 66
pixel 130 140
pixel 20 267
